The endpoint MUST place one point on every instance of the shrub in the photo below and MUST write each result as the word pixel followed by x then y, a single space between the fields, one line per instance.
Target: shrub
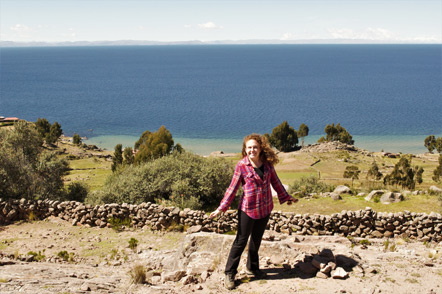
pixel 138 274
pixel 76 139
pixel 118 224
pixel 37 256
pixel 200 180
pixel 307 185
pixel 66 256
pixel 26 170
pixel 133 243
pixel 77 191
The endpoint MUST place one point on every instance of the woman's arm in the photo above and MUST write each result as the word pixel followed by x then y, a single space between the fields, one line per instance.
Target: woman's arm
pixel 230 192
pixel 283 196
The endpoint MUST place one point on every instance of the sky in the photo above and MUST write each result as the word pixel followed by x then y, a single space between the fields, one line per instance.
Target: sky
pixel 417 21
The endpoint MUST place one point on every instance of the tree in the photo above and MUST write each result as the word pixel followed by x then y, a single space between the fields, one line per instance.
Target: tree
pixel 117 158
pixel 430 143
pixel 143 138
pixel 128 156
pixel 404 174
pixel 26 169
pixel 156 145
pixel 437 173
pixel 338 133
pixel 303 132
pixel 373 172
pixel 352 171
pixel 284 137
pixel 43 127
pixel 54 134
pixel 439 145
pixel 76 139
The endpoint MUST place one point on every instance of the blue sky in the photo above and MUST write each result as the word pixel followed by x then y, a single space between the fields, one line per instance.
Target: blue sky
pixel 418 21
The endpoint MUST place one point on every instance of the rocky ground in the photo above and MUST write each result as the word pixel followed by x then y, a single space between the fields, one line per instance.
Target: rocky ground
pixel 99 261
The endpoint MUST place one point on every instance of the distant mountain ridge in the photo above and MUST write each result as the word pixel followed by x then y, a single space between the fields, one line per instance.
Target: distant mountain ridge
pixel 197 42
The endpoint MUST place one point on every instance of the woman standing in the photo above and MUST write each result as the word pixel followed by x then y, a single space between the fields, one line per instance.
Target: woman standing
pixel 255 172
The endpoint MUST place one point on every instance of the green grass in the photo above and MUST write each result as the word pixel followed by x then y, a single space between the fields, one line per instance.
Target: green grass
pixel 327 206
pixel 92 171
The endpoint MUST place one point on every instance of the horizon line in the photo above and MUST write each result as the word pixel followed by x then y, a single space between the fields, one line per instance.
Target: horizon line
pixel 217 42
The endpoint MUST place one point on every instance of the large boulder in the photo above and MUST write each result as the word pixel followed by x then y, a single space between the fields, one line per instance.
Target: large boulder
pixel 391 197
pixel 342 189
pixel 373 194
pixel 274 194
pixel 435 189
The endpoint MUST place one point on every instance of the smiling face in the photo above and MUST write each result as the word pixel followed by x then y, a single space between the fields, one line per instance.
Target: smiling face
pixel 253 150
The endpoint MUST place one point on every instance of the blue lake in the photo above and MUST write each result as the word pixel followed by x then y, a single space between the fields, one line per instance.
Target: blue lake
pixel 387 96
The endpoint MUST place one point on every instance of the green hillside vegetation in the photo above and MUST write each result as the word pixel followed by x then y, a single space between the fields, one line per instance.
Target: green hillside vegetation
pixel 90 167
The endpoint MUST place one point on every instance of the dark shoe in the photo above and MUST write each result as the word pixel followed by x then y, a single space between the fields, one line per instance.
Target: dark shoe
pixel 229 281
pixel 257 274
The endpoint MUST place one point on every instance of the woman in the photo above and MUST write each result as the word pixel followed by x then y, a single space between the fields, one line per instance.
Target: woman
pixel 255 172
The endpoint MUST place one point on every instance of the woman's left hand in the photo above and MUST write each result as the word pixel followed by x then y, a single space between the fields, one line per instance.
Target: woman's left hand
pixel 293 200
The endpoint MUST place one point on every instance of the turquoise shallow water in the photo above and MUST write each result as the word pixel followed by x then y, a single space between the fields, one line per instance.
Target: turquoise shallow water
pixel 404 144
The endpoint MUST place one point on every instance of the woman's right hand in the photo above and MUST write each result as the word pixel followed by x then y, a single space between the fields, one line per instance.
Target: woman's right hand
pixel 215 213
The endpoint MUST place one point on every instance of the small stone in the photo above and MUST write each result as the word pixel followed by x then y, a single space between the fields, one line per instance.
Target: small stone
pixel 339 273
pixel 321 275
pixel 85 287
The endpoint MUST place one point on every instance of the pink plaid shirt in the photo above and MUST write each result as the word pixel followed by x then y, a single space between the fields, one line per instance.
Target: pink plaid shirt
pixel 257 201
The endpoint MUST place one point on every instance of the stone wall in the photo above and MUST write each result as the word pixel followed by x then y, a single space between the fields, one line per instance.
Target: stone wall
pixel 362 223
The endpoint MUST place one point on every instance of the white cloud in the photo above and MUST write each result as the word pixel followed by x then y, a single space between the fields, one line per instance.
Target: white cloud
pixel 287 36
pixel 367 34
pixel 187 26
pixel 70 33
pixel 209 26
pixel 20 28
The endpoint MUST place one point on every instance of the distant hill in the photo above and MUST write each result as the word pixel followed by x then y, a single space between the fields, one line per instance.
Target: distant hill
pixel 196 42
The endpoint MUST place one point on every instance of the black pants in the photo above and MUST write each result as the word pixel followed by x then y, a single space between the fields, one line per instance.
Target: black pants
pixel 247 226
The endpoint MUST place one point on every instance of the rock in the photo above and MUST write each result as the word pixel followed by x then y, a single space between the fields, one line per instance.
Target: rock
pixel 435 189
pixel 335 196
pixel 342 189
pixel 373 194
pixel 377 234
pixel 390 197
pixel 85 287
pixel 307 268
pixel 339 273
pixel 319 262
pixel 174 276
pixel 321 275
pixel 194 229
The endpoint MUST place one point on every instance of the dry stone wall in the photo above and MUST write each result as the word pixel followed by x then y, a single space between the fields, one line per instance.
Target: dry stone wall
pixel 362 223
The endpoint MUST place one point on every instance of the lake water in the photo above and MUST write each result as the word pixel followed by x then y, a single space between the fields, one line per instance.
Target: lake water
pixel 387 96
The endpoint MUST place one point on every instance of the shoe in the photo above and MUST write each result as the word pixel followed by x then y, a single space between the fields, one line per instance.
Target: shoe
pixel 229 281
pixel 257 274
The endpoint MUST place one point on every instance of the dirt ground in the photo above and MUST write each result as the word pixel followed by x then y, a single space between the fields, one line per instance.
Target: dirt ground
pixel 100 262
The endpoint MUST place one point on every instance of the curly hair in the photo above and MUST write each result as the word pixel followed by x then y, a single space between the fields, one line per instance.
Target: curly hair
pixel 267 153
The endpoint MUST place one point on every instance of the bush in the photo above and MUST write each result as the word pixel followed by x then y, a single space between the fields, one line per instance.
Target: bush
pixel 138 274
pixel 77 191
pixel 76 139
pixel 26 170
pixel 178 178
pixel 308 185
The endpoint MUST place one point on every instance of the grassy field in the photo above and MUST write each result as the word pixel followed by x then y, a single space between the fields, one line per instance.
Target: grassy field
pixel 329 167
pixel 328 206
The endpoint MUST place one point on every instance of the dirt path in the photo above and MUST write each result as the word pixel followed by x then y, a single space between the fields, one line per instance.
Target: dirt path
pixel 102 261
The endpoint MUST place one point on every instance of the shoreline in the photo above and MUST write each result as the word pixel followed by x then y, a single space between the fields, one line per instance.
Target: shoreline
pixel 406 144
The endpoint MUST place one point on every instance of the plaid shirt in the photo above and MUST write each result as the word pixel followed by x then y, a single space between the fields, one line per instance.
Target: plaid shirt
pixel 257 201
